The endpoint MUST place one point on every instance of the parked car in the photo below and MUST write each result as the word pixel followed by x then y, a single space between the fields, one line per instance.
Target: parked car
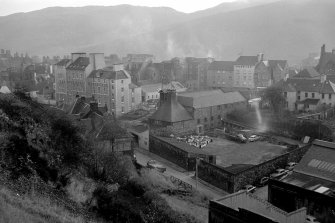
pixel 153 164
pixel 311 219
pixel 241 138
pixel 290 165
pixel 278 173
pixel 263 181
pixel 249 188
pixel 254 138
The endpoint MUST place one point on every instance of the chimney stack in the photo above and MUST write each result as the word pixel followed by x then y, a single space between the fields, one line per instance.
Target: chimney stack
pixel 97 61
pixel 260 57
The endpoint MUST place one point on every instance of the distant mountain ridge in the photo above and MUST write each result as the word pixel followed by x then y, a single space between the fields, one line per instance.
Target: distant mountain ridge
pixel 287 29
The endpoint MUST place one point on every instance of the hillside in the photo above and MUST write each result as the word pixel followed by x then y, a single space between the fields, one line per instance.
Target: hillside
pixel 285 29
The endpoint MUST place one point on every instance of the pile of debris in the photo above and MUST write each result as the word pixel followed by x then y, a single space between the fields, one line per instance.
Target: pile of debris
pixel 196 140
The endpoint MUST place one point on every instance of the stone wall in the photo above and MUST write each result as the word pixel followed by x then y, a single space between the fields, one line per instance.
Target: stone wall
pixel 231 183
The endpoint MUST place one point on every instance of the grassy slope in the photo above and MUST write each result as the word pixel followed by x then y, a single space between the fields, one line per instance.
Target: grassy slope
pixel 23 208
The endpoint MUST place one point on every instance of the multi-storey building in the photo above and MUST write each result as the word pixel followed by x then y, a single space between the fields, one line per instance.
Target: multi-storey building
pixel 113 88
pixel 220 74
pixel 244 70
pixel 87 76
pixel 270 72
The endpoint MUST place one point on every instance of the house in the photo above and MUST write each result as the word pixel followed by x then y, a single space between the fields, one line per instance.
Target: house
pixel 308 94
pixel 141 135
pixel 269 72
pixel 243 207
pixel 208 107
pixel 220 74
pixel 244 70
pixel 60 79
pixel 311 185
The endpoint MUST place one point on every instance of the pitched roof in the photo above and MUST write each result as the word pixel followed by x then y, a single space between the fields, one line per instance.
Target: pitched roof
pixel 63 62
pixel 148 88
pixel 108 74
pixel 247 60
pixel 112 130
pixel 222 65
pixel 274 63
pixel 319 161
pixel 296 84
pixel 132 86
pixel 308 72
pixel 203 99
pixel 79 64
pixel 171 111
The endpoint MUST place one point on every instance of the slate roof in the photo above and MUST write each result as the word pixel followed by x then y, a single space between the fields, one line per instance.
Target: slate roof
pixel 222 66
pixel 319 161
pixel 79 64
pixel 108 74
pixel 111 130
pixel 274 63
pixel 307 85
pixel 203 99
pixel 171 111
pixel 63 62
pixel 247 60
pixel 308 72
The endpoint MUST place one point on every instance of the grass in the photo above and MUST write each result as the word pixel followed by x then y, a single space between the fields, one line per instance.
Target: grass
pixel 23 208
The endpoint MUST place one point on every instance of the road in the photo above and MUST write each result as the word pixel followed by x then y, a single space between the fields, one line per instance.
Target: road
pixel 143 156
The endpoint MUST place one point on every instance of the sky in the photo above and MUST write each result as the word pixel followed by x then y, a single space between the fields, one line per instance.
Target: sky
pixel 14 6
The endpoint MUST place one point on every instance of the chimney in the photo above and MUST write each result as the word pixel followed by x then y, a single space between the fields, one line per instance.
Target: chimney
pixel 323 49
pixel 97 61
pixel 167 96
pixel 75 56
pixel 260 57
pixel 323 78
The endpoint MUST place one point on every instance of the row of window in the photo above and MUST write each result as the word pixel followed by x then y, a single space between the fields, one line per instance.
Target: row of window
pixel 205 119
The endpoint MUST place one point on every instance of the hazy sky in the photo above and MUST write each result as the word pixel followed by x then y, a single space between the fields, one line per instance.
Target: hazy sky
pixel 12 6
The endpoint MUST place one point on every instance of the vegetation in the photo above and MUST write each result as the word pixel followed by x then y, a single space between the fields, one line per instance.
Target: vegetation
pixel 44 154
pixel 274 96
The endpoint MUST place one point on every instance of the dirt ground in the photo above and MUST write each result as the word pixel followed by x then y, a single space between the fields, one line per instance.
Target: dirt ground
pixel 229 152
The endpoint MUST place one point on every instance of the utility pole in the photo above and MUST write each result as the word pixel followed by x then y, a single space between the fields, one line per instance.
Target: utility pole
pixel 196 173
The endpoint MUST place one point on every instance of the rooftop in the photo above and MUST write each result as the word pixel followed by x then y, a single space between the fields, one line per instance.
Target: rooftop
pixel 247 60
pixel 108 74
pixel 63 62
pixel 319 161
pixel 203 99
pixel 241 201
pixel 222 65
pixel 148 88
pixel 79 64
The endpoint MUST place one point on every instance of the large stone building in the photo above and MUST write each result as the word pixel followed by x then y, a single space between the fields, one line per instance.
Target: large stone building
pixel 86 76
pixel 270 72
pixel 326 63
pixel 311 185
pixel 208 107
pixel 114 89
pixel 244 71
pixel 220 74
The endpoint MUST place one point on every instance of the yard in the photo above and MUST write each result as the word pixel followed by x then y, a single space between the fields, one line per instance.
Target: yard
pixel 229 152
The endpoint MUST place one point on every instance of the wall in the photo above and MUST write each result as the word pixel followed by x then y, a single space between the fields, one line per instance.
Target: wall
pixel 290 197
pixel 262 75
pixel 230 182
pixel 244 71
pixel 60 80
pixel 218 78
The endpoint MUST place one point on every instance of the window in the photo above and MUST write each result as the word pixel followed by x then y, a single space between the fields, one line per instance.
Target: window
pixel 122 99
pixel 330 96
pixel 121 81
pixel 285 94
pixel 122 109
pixel 298 98
pixel 219 117
pixel 306 95
pixel 219 107
pixel 212 118
pixel 205 119
pixel 312 95
pixel 132 99
pixel 323 96
pixel 122 89
pixel 198 120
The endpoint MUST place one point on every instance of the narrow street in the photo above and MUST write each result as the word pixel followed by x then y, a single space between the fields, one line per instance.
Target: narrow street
pixel 143 156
